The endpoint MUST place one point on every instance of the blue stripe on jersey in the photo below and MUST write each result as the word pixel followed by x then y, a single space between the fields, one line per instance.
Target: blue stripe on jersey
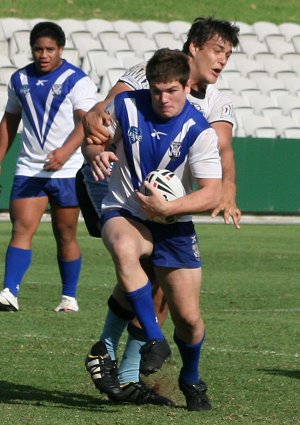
pixel 150 142
pixel 41 95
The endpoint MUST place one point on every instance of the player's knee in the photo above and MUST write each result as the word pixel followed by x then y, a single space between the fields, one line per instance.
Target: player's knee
pixel 190 324
pixel 125 252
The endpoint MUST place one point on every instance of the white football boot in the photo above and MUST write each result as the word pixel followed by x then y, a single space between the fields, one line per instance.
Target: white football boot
pixel 67 305
pixel 8 302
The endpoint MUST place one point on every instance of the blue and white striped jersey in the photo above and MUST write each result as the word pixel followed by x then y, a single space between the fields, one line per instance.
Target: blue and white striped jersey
pixel 47 103
pixel 184 144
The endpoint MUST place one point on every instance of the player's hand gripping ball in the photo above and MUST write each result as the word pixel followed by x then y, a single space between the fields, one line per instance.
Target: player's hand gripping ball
pixel 169 185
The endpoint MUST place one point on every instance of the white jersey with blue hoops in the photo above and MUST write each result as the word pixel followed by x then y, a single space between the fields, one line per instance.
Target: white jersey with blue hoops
pixel 47 103
pixel 184 144
pixel 214 105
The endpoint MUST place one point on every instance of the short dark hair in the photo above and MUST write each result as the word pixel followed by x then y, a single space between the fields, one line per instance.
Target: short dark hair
pixel 168 65
pixel 48 29
pixel 203 29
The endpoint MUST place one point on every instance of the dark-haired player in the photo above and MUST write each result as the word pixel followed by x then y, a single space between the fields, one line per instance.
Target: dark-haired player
pixel 49 95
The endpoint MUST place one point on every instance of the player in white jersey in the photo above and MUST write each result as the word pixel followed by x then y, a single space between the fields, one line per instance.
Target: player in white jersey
pixel 148 123
pixel 49 95
pixel 209 46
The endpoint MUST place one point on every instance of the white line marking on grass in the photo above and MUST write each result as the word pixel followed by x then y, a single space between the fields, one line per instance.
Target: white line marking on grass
pixel 206 219
pixel 264 352
pixel 258 310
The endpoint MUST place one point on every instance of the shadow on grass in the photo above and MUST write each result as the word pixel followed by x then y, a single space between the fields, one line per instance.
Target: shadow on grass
pixel 11 393
pixel 295 374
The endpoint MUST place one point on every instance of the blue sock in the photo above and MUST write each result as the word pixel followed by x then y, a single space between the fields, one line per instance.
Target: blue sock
pixel 69 272
pixel 129 369
pixel 190 356
pixel 17 262
pixel 142 304
pixel 112 332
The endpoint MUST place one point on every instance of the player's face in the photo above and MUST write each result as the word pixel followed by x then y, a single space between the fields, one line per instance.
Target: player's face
pixel 46 54
pixel 168 99
pixel 208 61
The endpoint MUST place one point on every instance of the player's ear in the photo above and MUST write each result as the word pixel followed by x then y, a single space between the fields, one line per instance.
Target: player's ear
pixel 192 49
pixel 188 87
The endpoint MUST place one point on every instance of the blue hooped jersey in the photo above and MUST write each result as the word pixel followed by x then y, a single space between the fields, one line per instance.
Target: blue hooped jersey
pixel 184 144
pixel 47 103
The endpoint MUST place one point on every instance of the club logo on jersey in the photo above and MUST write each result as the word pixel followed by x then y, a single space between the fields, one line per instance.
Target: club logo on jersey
pixel 157 134
pixel 227 111
pixel 40 82
pixel 174 150
pixel 197 106
pixel 25 89
pixel 56 89
pixel 135 135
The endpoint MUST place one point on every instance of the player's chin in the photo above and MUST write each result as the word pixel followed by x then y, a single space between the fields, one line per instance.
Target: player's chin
pixel 213 77
pixel 167 114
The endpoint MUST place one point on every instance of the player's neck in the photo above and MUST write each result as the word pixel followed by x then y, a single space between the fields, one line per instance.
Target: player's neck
pixel 198 87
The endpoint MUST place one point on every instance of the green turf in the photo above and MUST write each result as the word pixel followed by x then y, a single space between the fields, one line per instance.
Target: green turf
pixel 166 10
pixel 250 302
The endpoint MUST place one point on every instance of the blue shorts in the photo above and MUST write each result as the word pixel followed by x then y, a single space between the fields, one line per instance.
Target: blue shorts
pixel 59 191
pixel 174 245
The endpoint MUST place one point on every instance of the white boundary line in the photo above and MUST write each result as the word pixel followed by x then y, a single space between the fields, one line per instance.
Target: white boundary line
pixel 206 219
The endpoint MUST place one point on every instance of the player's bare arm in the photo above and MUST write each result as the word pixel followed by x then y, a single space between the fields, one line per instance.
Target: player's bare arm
pixel 57 158
pixel 96 121
pixel 227 203
pixel 205 198
pixel 8 130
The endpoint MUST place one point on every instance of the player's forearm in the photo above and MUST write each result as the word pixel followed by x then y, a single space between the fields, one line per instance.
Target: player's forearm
pixel 3 146
pixel 8 131
pixel 204 199
pixel 75 139
pixel 228 165
pixel 99 107
pixel 228 175
pixel 90 151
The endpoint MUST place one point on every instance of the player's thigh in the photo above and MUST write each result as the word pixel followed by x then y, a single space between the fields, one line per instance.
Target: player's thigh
pixel 26 214
pixel 125 236
pixel 182 290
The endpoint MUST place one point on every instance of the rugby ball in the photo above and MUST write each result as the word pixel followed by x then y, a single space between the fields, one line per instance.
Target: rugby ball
pixel 168 184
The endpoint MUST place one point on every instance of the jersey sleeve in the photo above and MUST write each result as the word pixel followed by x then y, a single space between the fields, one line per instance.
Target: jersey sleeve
pixel 204 158
pixel 13 104
pixel 221 108
pixel 135 77
pixel 83 95
pixel 114 128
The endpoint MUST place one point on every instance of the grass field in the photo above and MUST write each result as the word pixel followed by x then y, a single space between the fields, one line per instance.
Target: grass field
pixel 138 10
pixel 250 360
